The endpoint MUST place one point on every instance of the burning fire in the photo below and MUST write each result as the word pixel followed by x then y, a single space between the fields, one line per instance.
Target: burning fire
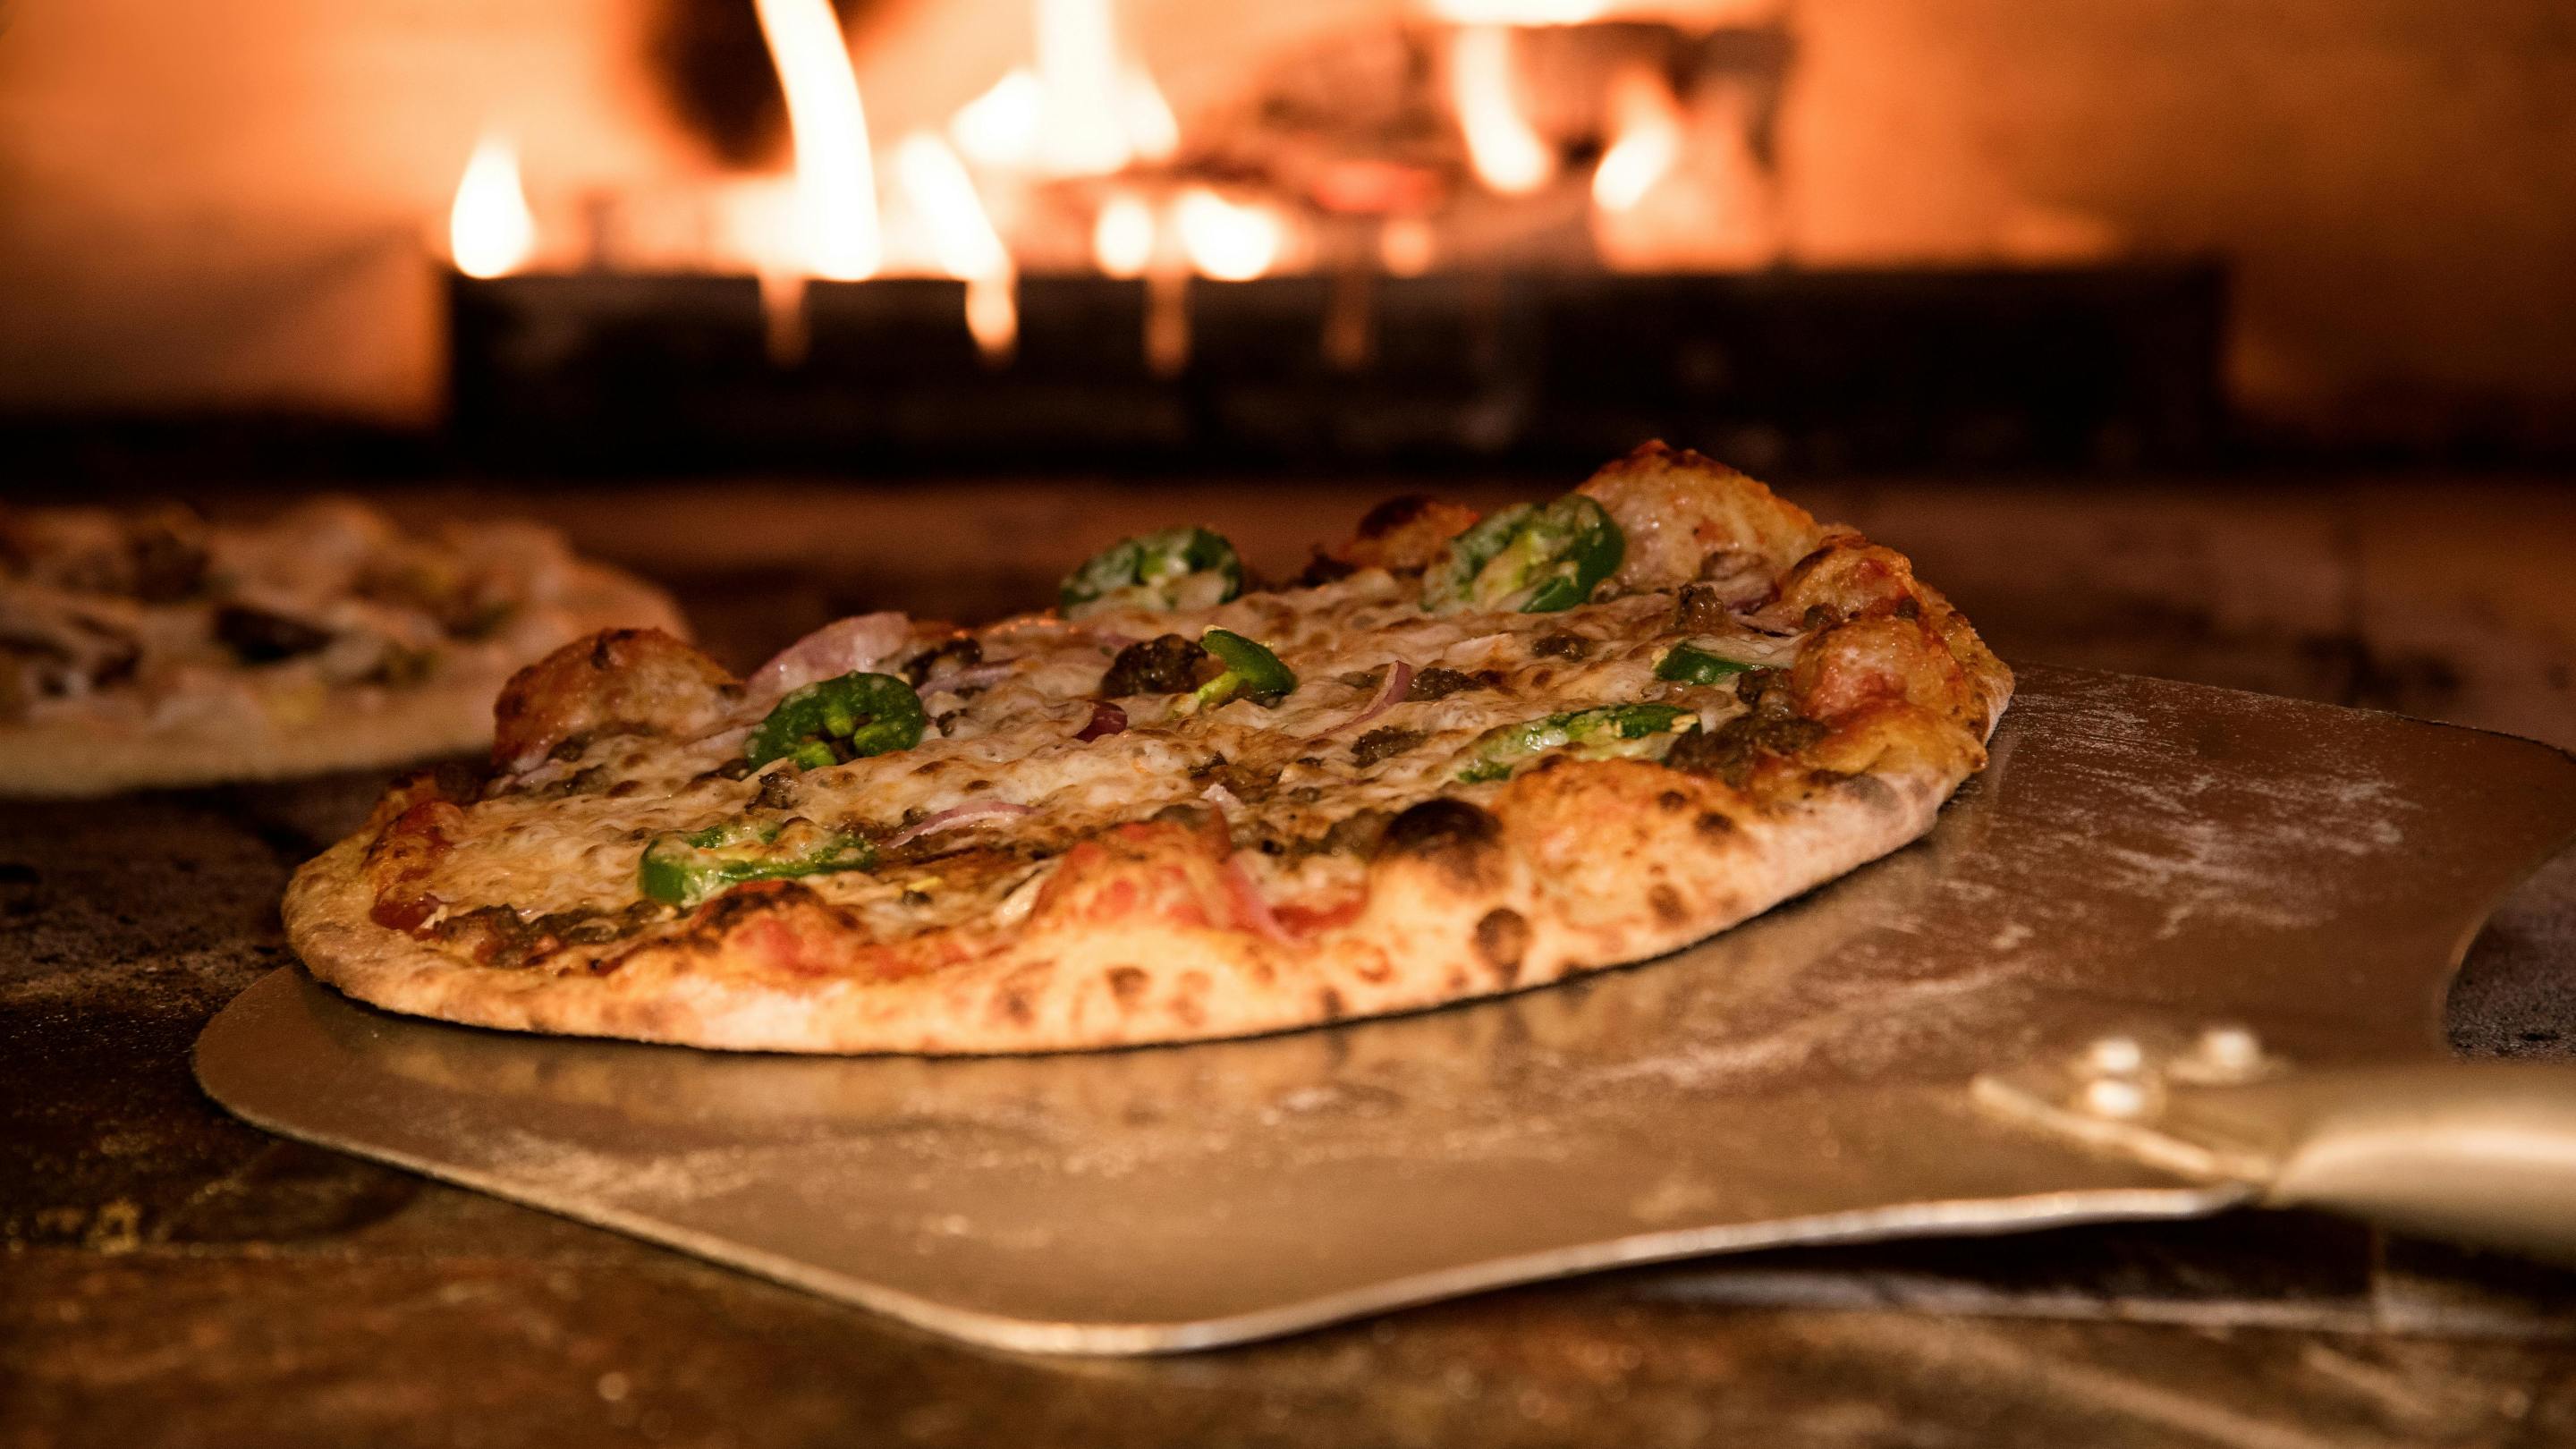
pixel 1087 109
pixel 1081 125
pixel 962 237
pixel 1646 141
pixel 835 178
pixel 1009 180
pixel 1508 156
pixel 1122 239
pixel 1226 240
pixel 490 232
pixel 1519 12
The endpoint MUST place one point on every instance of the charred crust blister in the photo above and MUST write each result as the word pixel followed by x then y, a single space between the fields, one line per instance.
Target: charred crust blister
pixel 1502 939
pixel 1463 841
pixel 1441 824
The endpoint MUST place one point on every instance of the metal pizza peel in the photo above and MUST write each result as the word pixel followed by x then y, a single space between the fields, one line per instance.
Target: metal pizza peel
pixel 2177 950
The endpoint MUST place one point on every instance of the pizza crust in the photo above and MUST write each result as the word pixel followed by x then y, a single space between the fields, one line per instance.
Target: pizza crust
pixel 1422 942
pixel 449 715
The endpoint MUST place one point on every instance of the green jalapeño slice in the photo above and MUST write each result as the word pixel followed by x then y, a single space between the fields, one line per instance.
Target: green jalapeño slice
pixel 1690 664
pixel 832 721
pixel 684 870
pixel 1178 568
pixel 1609 732
pixel 1530 558
pixel 1251 672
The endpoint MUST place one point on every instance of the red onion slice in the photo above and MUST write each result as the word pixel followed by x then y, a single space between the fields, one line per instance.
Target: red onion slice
pixel 1399 678
pixel 1106 719
pixel 1250 907
pixel 954 816
pixel 841 647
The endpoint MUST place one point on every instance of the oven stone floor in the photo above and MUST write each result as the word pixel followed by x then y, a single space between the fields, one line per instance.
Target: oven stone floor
pixel 168 1276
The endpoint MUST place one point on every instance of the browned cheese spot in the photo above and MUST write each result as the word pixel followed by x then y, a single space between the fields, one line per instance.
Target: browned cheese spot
pixel 1666 903
pixel 1715 825
pixel 1502 938
pixel 1673 800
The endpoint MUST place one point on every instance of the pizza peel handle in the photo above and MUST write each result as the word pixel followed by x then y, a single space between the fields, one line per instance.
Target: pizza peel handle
pixel 2481 1152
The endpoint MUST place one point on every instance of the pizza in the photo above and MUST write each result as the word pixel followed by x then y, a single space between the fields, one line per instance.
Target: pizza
pixel 148 648
pixel 1459 755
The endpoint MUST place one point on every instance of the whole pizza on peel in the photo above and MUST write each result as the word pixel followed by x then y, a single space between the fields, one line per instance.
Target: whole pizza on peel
pixel 1461 756
pixel 145 648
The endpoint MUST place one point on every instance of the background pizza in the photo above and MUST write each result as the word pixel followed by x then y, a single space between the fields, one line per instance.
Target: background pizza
pixel 146 648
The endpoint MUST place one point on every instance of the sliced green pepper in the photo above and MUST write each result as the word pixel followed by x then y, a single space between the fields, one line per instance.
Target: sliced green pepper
pixel 1690 664
pixel 835 720
pixel 1251 672
pixel 1178 568
pixel 686 869
pixel 1608 732
pixel 1530 558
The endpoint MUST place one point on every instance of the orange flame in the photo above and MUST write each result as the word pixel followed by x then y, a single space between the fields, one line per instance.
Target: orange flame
pixel 1508 156
pixel 1000 127
pixel 835 179
pixel 1153 133
pixel 1081 130
pixel 1406 246
pixel 1087 109
pixel 1229 241
pixel 1519 12
pixel 490 232
pixel 1646 140
pixel 962 238
pixel 1122 237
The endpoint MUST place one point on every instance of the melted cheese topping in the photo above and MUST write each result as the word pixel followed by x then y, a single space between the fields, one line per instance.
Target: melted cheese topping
pixel 1283 775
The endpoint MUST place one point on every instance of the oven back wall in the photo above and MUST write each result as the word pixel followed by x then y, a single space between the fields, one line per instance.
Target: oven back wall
pixel 235 206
